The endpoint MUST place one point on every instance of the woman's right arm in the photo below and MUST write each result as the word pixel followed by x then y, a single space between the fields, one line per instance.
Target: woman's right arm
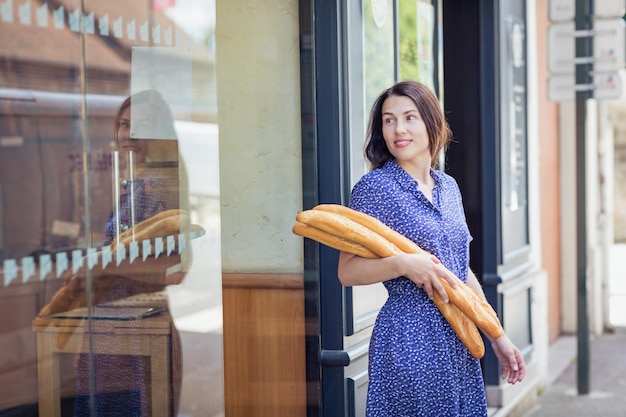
pixel 419 268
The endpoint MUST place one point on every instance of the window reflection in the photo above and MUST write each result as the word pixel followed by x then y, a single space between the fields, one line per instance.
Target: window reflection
pixel 68 252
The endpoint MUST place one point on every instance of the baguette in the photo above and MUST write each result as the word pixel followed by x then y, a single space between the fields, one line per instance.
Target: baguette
pixel 172 222
pixel 464 328
pixel 73 293
pixel 334 242
pixel 127 235
pixel 475 307
pixel 345 228
pixel 464 297
pixel 402 242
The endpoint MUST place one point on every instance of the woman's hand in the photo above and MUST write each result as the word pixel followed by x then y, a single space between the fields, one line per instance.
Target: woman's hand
pixel 425 270
pixel 511 359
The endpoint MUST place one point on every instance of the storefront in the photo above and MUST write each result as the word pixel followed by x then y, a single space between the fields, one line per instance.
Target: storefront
pixel 254 111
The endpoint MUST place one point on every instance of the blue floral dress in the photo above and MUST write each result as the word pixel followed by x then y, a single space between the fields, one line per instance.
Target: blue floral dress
pixel 417 365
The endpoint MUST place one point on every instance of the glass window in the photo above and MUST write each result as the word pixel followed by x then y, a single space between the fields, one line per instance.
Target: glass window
pixel 147 262
pixel 110 240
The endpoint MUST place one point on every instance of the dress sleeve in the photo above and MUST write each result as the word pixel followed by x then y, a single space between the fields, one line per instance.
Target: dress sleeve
pixel 458 203
pixel 366 198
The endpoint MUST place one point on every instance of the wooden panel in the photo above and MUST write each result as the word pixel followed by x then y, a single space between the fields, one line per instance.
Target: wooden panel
pixel 19 304
pixel 264 350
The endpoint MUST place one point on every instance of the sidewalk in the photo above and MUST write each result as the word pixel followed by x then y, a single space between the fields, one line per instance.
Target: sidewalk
pixel 607 396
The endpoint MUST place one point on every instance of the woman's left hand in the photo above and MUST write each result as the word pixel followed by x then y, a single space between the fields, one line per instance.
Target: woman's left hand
pixel 511 359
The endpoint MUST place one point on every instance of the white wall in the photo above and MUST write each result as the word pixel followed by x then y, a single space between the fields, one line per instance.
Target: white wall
pixel 258 73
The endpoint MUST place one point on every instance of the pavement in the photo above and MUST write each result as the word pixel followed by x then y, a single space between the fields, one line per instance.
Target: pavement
pixel 607 382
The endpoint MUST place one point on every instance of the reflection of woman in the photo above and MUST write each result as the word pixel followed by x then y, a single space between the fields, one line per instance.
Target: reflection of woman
pixel 148 149
pixel 153 145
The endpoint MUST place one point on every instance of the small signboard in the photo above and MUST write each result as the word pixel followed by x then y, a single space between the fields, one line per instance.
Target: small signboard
pixel 562 10
pixel 609 46
pixel 561 48
pixel 608 49
pixel 605 86
pixel 565 10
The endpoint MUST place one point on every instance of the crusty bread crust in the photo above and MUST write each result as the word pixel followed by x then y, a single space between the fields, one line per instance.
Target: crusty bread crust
pixel 402 242
pixel 163 223
pixel 467 310
pixel 348 229
pixel 334 242
pixel 464 297
pixel 464 328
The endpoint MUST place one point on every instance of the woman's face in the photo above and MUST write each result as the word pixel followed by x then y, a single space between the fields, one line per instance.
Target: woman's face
pixel 404 131
pixel 125 142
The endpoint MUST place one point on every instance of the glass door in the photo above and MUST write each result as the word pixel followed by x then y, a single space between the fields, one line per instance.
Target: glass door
pixel 110 209
pixel 380 42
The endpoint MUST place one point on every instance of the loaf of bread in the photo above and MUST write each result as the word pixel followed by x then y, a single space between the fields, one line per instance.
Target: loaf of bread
pixel 345 228
pixel 402 242
pixel 464 328
pixel 164 223
pixel 74 295
pixel 465 298
pixel 338 228
pixel 334 242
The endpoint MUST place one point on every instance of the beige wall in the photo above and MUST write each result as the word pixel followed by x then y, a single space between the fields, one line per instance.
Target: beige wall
pixel 258 84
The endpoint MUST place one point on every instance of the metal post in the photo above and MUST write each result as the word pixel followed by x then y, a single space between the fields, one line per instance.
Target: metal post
pixel 116 195
pixel 131 192
pixel 584 48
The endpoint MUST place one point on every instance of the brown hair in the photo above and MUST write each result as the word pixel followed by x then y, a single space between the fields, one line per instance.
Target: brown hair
pixel 427 104
pixel 161 117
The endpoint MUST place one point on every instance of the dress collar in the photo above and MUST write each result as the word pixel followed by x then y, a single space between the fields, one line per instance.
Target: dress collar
pixel 405 180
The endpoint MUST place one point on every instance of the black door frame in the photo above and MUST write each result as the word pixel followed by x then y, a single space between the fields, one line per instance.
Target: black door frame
pixel 323 181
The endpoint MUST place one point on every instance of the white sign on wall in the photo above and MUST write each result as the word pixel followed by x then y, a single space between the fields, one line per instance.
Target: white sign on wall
pixel 564 10
pixel 609 45
pixel 608 37
pixel 563 87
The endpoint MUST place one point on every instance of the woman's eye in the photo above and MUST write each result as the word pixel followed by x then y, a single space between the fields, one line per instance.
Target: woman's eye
pixel 388 121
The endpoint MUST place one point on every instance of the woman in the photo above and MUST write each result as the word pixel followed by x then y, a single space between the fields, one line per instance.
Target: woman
pixel 418 366
pixel 158 182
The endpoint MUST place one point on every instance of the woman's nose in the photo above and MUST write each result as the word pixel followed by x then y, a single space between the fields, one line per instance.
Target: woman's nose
pixel 400 127
pixel 123 134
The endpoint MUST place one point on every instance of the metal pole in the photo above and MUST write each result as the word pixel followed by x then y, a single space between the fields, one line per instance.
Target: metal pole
pixel 116 195
pixel 584 48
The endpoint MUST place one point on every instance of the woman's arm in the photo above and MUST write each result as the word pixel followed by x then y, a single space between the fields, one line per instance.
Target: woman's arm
pixel 510 357
pixel 473 283
pixel 419 268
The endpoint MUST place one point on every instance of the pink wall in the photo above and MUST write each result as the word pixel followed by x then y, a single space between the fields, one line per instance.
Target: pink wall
pixel 549 176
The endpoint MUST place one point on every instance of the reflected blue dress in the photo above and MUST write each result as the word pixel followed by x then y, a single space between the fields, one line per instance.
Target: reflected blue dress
pixel 122 381
pixel 417 365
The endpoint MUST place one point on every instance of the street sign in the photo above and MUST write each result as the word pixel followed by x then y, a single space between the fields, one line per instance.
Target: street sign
pixel 602 32
pixel 562 10
pixel 561 48
pixel 565 10
pixel 605 86
pixel 609 46
pixel 609 8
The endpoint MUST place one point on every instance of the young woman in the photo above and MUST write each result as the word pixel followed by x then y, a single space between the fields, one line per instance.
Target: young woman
pixel 418 366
